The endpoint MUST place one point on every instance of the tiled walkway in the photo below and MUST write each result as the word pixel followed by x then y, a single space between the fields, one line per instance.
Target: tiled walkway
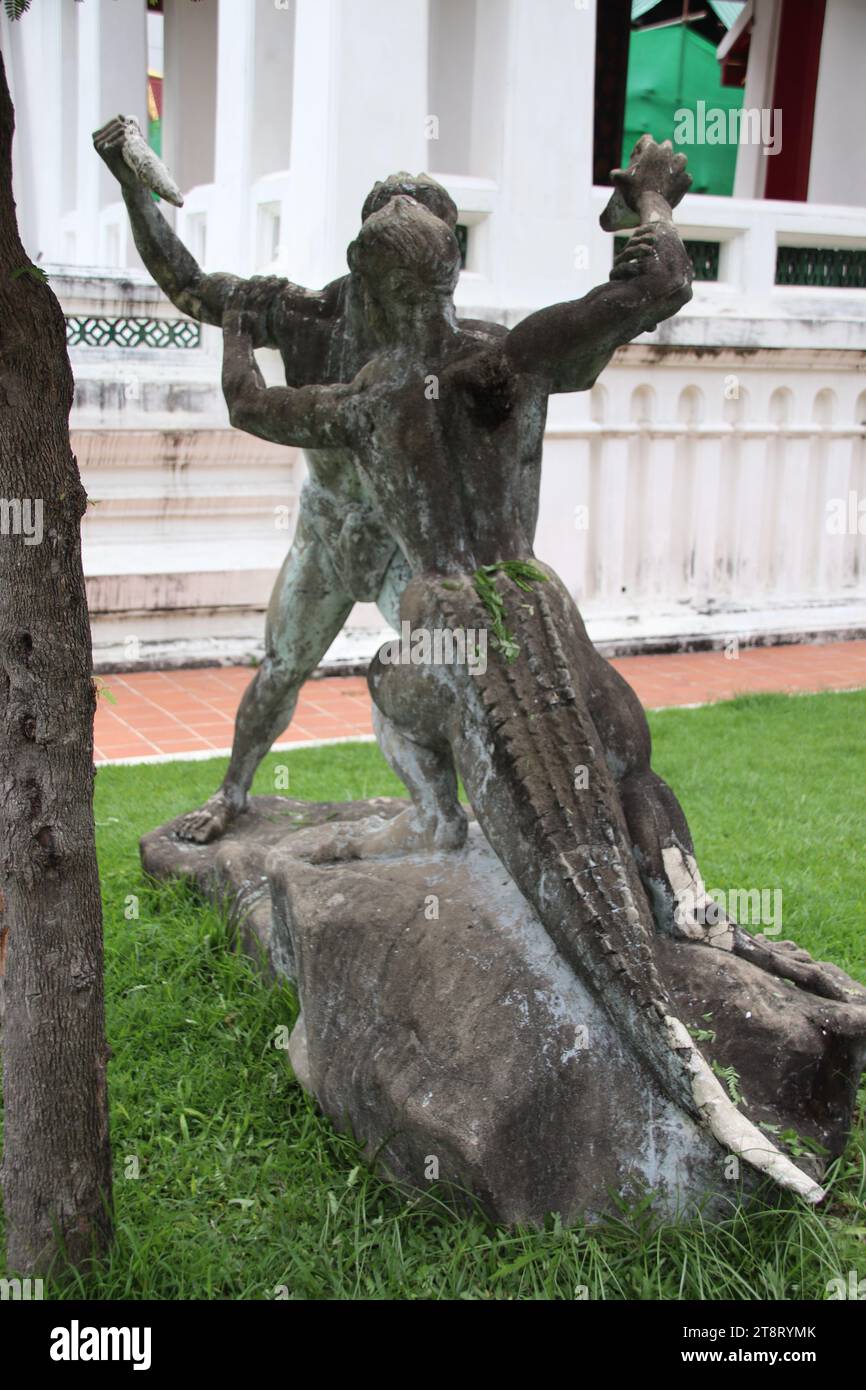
pixel 160 714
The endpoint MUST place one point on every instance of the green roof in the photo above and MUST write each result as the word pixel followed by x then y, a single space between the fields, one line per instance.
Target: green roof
pixel 670 70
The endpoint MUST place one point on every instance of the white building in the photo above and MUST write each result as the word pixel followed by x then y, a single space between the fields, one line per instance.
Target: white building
pixel 714 481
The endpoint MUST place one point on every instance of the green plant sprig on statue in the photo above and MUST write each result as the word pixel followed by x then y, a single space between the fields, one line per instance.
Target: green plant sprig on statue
pixel 523 575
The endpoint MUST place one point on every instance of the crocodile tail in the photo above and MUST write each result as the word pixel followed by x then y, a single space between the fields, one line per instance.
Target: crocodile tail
pixel 535 772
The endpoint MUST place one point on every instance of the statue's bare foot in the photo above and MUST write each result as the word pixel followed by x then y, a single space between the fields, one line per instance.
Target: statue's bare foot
pixel 406 833
pixel 209 822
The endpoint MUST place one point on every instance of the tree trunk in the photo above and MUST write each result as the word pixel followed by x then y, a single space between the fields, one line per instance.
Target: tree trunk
pixel 56 1173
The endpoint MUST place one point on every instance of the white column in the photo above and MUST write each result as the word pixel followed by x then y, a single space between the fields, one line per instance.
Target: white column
pixel 758 258
pixel 840 478
pixel 111 78
pixel 854 564
pixel 489 89
pixel 544 215
pixel 122 72
pixel 808 571
pixel 451 73
pixel 359 103
pixel 751 172
pixel 229 241
pixel 781 450
pixel 642 413
pixel 751 512
pixel 565 543
pixel 380 99
pixel 683 518
pixel 729 491
pixel 308 232
pixel 189 89
pixel 32 50
pixel 612 448
pixel 275 66
pixel 708 460
pixel 796 521
pixel 90 116
pixel 660 518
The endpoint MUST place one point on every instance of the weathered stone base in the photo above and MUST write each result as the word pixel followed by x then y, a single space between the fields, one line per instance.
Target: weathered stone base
pixel 441 1026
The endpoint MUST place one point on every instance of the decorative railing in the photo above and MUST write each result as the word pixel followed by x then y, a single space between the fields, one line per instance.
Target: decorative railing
pixel 85 331
pixel 702 483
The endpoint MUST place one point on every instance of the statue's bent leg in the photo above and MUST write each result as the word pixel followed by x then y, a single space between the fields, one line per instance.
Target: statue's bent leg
pixel 425 766
pixel 436 819
pixel 306 611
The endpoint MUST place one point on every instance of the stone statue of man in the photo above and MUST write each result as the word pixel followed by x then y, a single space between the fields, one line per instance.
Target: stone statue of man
pixel 342 552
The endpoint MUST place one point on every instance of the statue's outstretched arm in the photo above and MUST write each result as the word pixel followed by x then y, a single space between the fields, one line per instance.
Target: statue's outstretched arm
pixel 175 270
pixel 569 344
pixel 309 417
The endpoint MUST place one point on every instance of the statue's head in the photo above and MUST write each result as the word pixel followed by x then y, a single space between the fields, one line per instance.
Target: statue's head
pixel 405 255
pixel 418 186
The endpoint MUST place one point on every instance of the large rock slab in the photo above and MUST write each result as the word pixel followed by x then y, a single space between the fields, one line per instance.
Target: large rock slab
pixel 440 1025
pixel 232 871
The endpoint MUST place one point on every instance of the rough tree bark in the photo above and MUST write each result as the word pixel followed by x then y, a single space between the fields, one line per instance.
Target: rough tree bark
pixel 56 1173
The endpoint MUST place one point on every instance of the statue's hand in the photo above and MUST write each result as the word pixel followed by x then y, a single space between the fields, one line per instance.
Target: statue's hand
pixel 640 253
pixel 120 143
pixel 239 323
pixel 652 169
pixel 108 143
pixel 250 304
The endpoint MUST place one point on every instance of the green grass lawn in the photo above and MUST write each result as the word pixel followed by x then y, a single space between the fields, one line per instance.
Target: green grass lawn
pixel 244 1190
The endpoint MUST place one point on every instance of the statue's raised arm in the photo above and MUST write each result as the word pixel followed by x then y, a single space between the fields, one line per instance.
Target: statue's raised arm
pixel 139 171
pixel 568 344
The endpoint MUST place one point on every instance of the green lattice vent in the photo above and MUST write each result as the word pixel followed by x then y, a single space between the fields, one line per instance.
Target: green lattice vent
pixel 82 331
pixel 825 266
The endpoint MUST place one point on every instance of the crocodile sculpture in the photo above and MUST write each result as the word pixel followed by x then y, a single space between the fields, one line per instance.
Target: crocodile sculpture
pixel 523 740
pixel 552 748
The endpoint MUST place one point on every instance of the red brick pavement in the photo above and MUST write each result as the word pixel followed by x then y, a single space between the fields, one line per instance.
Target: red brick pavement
pixel 159 713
